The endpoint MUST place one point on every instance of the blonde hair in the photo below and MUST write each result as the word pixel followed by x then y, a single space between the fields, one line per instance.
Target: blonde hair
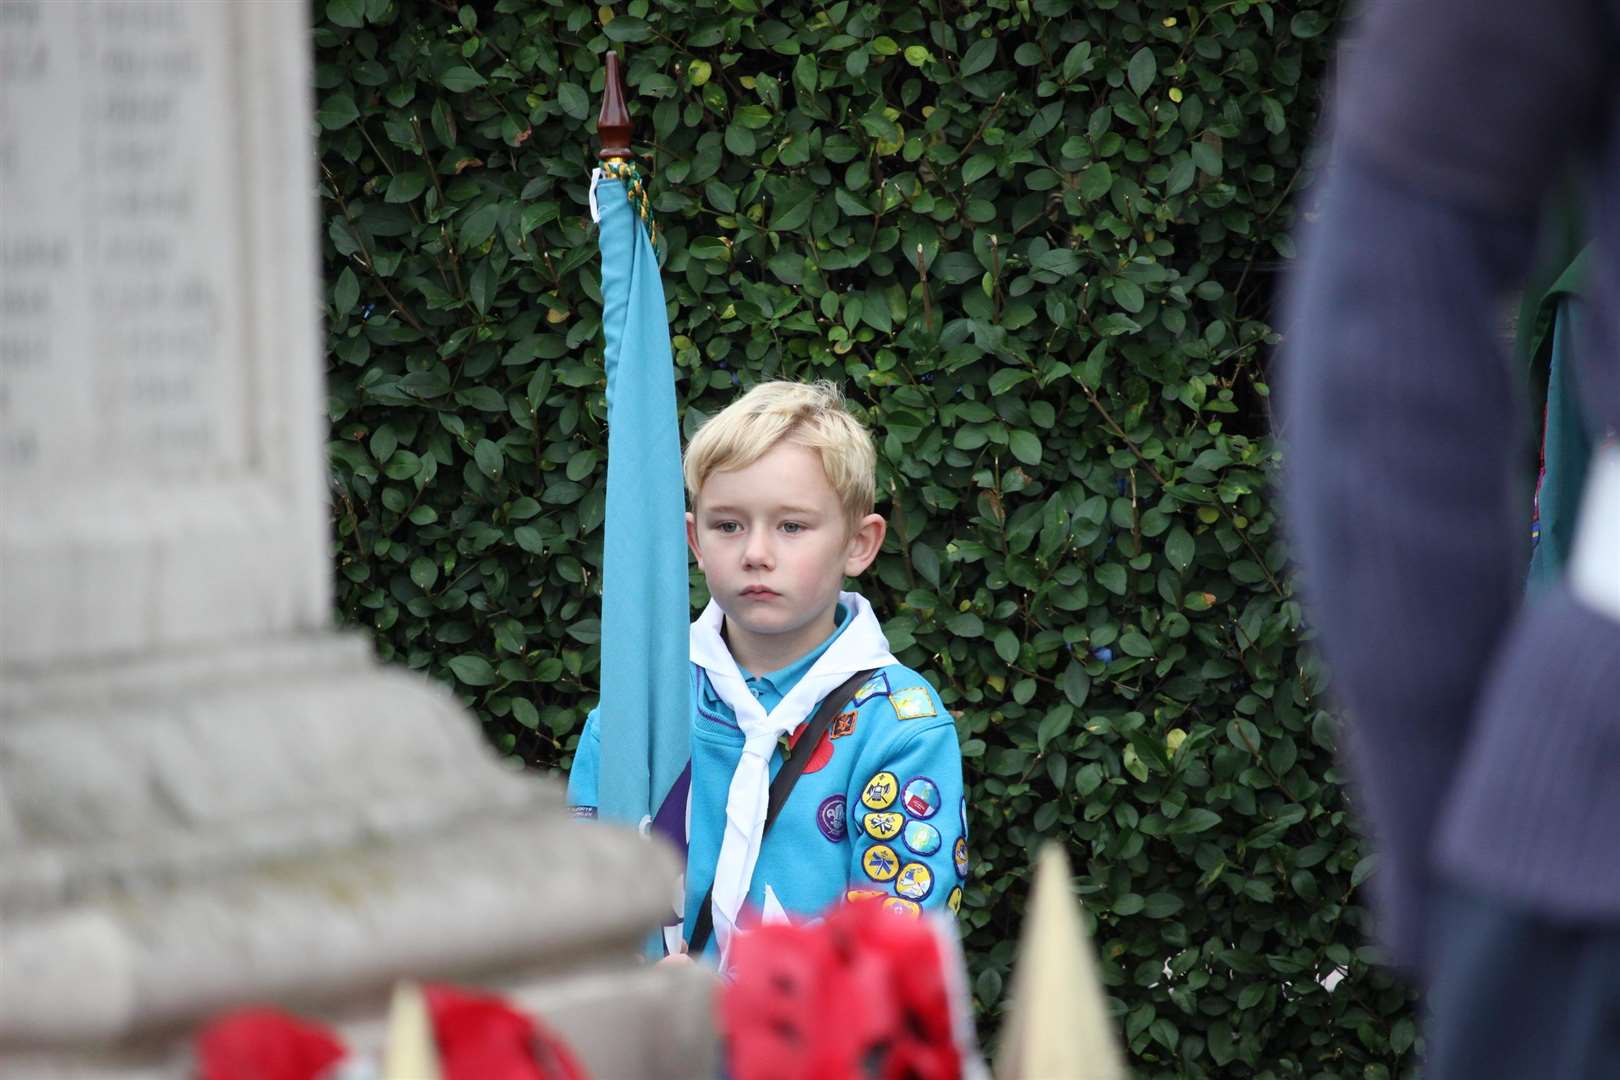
pixel 813 415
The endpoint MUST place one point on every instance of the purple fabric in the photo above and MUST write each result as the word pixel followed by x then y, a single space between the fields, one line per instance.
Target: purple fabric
pixel 1403 480
pixel 670 821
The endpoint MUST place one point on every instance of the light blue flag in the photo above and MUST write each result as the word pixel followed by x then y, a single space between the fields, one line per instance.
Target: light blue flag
pixel 644 713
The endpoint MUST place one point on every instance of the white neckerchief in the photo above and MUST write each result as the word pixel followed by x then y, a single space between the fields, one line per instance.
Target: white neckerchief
pixel 860 645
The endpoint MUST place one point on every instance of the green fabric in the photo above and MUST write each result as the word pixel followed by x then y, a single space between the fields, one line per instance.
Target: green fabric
pixel 1563 240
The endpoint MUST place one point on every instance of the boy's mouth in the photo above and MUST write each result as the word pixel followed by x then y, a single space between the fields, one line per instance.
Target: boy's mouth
pixel 759 592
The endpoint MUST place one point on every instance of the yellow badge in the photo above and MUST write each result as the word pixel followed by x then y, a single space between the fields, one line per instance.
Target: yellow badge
pixel 881 791
pixel 855 896
pixel 954 901
pixel 884 826
pixel 880 863
pixel 897 906
pixel 913 703
pixel 877 684
pixel 915 882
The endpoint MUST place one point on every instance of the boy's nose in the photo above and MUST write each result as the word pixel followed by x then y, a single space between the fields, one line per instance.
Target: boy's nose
pixel 757 553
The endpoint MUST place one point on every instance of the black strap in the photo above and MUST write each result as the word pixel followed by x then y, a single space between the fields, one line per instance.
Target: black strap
pixel 782 787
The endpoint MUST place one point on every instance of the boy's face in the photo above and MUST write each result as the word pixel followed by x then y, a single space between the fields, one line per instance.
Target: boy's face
pixel 774 543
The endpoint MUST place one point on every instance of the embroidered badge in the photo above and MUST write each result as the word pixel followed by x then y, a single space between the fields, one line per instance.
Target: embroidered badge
pixel 897 906
pixel 913 703
pixel 921 799
pixel 922 838
pixel 959 855
pixel 871 688
pixel 915 882
pixel 855 896
pixel 883 826
pixel 583 813
pixel 880 791
pixel 843 724
pixel 832 818
pixel 954 901
pixel 880 863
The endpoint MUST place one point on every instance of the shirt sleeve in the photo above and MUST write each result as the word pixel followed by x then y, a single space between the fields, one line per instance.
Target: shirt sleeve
pixel 1479 102
pixel 587 763
pixel 1398 402
pixel 907 807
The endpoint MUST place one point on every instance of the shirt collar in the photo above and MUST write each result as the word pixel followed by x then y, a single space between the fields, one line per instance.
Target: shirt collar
pixel 784 679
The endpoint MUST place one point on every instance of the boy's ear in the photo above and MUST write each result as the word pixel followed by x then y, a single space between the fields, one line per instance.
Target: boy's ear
pixel 691 538
pixel 864 542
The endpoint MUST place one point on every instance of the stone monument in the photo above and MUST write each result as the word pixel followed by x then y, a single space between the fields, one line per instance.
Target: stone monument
pixel 208 797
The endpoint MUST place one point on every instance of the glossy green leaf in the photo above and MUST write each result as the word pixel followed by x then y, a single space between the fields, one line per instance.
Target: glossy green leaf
pixel 460 79
pixel 337 111
pixel 980 55
pixel 472 670
pixel 1143 69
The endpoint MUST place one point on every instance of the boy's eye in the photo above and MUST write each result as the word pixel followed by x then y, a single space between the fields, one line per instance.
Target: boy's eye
pixel 727 526
pixel 792 527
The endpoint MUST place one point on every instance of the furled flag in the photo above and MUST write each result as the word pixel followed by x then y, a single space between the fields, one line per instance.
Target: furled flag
pixel 645 679
pixel 1550 333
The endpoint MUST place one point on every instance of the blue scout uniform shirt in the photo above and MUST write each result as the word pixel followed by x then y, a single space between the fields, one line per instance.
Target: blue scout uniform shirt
pixel 879 811
pixel 769 689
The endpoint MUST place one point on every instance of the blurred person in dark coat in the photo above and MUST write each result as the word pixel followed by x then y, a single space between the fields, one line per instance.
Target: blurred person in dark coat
pixel 1484 730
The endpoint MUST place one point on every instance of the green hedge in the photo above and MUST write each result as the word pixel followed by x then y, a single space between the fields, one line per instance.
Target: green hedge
pixel 1035 241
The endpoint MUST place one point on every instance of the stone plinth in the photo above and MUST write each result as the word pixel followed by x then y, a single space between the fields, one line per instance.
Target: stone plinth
pixel 209 798
pixel 160 397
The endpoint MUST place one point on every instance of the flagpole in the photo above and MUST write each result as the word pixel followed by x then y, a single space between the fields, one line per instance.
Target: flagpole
pixel 644 710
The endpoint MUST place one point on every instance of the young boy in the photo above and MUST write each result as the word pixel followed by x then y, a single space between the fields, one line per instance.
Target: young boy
pixel 781 484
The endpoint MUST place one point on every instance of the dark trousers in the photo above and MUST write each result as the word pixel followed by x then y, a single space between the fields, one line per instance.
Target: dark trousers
pixel 1518 996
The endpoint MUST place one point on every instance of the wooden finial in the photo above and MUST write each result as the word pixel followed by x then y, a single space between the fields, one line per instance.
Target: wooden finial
pixel 613 123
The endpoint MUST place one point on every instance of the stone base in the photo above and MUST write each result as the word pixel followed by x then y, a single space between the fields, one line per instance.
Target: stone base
pixel 646 1024
pixel 295 825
